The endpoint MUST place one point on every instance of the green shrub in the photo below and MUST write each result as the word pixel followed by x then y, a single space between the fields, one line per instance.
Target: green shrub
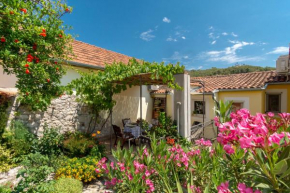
pixel 4 103
pixel 6 161
pixel 19 139
pixel 68 185
pixel 36 168
pixel 82 169
pixel 50 143
pixel 79 144
pixel 98 151
pixel 5 189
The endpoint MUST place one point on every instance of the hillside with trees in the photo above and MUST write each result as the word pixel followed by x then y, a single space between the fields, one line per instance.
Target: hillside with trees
pixel 230 70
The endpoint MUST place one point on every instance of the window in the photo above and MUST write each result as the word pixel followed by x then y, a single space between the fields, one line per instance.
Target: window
pixel 237 106
pixel 199 107
pixel 273 103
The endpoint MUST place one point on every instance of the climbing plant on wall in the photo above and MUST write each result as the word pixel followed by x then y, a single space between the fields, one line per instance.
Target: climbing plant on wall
pixel 96 89
pixel 33 45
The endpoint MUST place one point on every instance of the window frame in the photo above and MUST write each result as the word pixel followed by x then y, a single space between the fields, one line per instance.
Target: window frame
pixel 267 102
pixel 203 109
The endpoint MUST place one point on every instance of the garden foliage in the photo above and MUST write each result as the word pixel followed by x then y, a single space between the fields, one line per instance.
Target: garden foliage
pixel 68 185
pixel 252 156
pixel 78 168
pixel 33 46
pixel 79 145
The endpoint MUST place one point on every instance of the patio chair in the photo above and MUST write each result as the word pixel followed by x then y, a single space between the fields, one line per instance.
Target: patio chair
pixel 125 136
pixel 125 121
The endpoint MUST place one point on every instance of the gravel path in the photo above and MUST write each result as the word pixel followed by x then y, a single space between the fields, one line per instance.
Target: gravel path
pixel 96 187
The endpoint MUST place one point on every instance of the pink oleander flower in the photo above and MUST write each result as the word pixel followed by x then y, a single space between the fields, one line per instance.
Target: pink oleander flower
pixel 216 121
pixel 145 152
pixel 130 177
pixel 122 166
pixel 203 142
pixel 276 138
pixel 229 149
pixel 147 173
pixel 244 189
pixel 224 187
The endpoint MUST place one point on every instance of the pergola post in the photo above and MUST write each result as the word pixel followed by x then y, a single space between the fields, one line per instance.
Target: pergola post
pixel 182 102
pixel 141 102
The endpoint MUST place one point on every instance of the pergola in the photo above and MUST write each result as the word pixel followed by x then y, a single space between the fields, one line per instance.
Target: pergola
pixel 137 80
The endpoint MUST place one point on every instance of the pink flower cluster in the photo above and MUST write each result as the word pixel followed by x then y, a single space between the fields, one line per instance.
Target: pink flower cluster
pixel 203 142
pixel 244 189
pixel 252 131
pixel 224 188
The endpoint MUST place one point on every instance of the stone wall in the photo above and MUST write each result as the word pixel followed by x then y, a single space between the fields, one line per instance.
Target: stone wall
pixel 64 113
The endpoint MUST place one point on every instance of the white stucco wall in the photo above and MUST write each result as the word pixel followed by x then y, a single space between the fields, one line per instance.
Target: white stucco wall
pixel 128 105
pixel 7 81
pixel 72 74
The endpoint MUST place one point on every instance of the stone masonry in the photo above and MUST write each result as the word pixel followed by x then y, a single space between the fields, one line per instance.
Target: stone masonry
pixel 64 113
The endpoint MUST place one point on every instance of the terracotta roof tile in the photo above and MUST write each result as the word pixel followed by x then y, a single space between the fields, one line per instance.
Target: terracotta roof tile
pixel 162 90
pixel 238 81
pixel 93 55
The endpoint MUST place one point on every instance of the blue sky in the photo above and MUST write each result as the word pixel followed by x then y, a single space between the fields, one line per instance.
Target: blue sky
pixel 199 34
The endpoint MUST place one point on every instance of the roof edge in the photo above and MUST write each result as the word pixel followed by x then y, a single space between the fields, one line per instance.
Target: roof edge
pixel 92 66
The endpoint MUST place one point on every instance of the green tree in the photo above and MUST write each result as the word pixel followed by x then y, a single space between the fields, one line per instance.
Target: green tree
pixel 33 46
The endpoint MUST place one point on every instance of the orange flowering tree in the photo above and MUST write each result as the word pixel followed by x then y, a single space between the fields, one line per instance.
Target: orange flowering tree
pixel 33 45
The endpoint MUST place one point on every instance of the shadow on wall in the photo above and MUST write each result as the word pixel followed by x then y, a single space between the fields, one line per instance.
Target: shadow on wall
pixel 128 105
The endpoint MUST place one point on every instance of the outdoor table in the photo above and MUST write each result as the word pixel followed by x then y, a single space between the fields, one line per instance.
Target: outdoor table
pixel 134 129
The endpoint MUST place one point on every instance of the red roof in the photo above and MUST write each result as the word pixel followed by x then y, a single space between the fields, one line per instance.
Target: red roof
pixel 238 81
pixel 162 90
pixel 96 56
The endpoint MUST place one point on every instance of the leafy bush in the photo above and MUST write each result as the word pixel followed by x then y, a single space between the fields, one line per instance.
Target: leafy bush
pixel 6 161
pixel 79 144
pixel 19 139
pixel 5 189
pixel 35 171
pixel 167 128
pixel 50 143
pixel 4 103
pixel 82 169
pixel 68 185
pixel 98 151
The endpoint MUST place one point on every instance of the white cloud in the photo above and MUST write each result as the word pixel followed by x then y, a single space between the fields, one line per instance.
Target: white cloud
pixel 225 34
pixel 166 20
pixel 229 54
pixel 211 28
pixel 178 57
pixel 213 42
pixel 183 37
pixel 170 39
pixel 211 35
pixel 200 67
pixel 279 50
pixel 234 35
pixel 147 35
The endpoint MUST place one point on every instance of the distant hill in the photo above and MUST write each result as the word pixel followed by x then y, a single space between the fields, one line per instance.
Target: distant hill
pixel 230 70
